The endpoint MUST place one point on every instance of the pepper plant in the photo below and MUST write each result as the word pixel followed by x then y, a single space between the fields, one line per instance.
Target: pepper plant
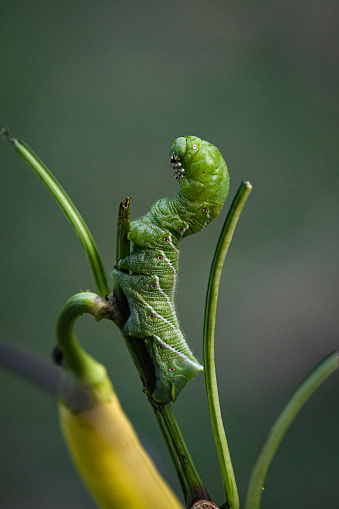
pixel 106 451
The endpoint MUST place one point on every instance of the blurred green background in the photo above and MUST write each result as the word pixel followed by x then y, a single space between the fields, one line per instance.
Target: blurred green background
pixel 100 90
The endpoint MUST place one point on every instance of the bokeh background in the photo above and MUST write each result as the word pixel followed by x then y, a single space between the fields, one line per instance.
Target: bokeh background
pixel 100 90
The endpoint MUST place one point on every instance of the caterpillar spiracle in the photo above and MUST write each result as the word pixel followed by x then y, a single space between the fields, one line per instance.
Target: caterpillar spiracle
pixel 152 266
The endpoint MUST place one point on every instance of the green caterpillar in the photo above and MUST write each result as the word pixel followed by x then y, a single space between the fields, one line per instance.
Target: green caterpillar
pixel 153 262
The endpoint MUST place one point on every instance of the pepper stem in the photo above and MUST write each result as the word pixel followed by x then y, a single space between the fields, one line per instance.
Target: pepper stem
pixel 85 380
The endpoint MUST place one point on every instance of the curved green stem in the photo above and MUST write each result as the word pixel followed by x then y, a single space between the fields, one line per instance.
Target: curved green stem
pixel 84 379
pixel 68 208
pixel 230 487
pixel 319 374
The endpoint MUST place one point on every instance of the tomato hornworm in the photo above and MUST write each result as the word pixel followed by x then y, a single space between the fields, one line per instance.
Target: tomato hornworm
pixel 150 275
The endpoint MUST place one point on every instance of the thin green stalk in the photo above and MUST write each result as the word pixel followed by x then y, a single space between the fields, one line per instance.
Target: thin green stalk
pixel 230 487
pixel 123 228
pixel 136 347
pixel 122 250
pixel 68 208
pixel 189 478
pixel 171 450
pixel 319 374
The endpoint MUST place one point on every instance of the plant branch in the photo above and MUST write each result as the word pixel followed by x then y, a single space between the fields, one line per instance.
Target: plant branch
pixel 230 487
pixel 319 374
pixel 135 346
pixel 123 228
pixel 68 208
pixel 189 478
pixel 122 250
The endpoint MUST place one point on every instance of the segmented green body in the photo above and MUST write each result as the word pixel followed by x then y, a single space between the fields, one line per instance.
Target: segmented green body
pixel 153 262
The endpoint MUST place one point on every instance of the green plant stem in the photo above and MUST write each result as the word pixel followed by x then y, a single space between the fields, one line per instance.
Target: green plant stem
pixel 169 443
pixel 122 250
pixel 230 487
pixel 189 478
pixel 135 346
pixel 123 228
pixel 68 208
pixel 319 374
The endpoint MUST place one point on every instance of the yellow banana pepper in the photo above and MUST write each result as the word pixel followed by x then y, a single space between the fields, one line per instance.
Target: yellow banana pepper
pixel 105 449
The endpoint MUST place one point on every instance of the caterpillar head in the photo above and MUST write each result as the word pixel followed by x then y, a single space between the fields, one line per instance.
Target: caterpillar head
pixel 182 152
pixel 200 169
